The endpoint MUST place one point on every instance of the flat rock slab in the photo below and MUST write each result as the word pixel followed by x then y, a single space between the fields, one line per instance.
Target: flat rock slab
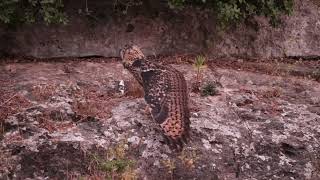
pixel 69 120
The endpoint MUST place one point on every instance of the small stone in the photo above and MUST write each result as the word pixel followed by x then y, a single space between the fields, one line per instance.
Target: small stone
pixel 164 156
pixel 156 163
pixel 308 170
pixel 135 140
pixel 249 82
pixel 263 158
pixel 121 86
pixel 206 144
pixel 195 114
pixel 12 120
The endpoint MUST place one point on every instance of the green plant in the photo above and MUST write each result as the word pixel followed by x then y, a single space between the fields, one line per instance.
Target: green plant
pixel 28 11
pixel 227 11
pixel 176 3
pixel 115 164
pixel 199 65
pixel 233 11
pixel 210 89
pixel 122 6
pixel 189 158
pixel 170 165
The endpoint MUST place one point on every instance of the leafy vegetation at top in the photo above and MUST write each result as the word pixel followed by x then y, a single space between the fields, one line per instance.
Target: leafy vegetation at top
pixel 29 11
pixel 232 11
pixel 227 11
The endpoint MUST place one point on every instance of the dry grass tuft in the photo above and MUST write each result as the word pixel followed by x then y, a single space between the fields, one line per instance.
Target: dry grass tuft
pixel 10 104
pixel 275 92
pixel 170 165
pixel 43 92
pixel 188 158
pixel 88 103
pixel 48 122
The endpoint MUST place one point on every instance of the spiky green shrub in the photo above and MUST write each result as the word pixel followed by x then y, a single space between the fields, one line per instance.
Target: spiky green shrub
pixel 209 89
pixel 199 65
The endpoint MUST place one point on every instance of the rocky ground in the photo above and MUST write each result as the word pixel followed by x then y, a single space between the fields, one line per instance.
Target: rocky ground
pixel 68 120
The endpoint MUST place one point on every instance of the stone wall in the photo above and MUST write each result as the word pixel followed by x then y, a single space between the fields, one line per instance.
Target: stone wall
pixel 2 41
pixel 169 32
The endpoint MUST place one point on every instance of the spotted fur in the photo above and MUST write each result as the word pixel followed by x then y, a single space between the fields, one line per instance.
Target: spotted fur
pixel 165 92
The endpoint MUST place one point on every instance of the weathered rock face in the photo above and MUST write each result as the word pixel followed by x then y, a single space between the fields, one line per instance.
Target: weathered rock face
pixel 169 32
pixel 76 124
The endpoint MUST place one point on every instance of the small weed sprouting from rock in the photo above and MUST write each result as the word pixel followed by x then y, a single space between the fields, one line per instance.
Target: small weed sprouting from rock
pixel 199 65
pixel 210 89
pixel 170 166
pixel 115 165
pixel 188 158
